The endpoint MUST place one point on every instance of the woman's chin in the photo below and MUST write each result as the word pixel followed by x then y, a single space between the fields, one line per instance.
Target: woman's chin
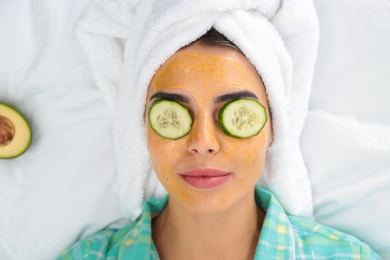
pixel 205 201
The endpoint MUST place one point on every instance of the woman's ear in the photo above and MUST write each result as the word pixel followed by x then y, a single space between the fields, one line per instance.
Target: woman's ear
pixel 271 139
pixel 270 130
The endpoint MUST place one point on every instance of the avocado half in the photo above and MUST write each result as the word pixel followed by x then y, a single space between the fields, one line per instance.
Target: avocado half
pixel 15 132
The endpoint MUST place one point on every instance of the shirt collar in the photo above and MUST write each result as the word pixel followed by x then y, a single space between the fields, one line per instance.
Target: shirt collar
pixel 138 243
pixel 277 236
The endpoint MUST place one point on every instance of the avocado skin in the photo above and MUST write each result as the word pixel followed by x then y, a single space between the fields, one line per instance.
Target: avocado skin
pixel 23 149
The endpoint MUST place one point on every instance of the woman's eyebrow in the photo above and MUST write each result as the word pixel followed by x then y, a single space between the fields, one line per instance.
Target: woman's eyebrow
pixel 235 95
pixel 170 96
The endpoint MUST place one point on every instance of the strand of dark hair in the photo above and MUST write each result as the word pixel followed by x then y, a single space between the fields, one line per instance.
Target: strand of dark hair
pixel 214 38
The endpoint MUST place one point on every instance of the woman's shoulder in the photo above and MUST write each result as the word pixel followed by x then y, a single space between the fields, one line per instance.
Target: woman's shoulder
pixel 97 243
pixel 311 236
pixel 304 237
pixel 101 245
pixel 112 241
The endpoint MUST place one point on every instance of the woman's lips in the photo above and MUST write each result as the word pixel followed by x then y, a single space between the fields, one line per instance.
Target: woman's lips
pixel 205 178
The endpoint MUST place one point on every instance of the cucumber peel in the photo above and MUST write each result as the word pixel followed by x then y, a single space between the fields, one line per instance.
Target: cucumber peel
pixel 242 118
pixel 169 119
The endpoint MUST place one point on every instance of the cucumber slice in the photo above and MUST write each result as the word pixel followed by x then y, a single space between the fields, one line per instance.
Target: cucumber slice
pixel 169 119
pixel 242 118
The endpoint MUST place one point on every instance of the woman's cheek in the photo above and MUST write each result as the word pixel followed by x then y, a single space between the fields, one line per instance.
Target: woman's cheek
pixel 164 155
pixel 156 151
pixel 248 150
pixel 249 154
pixel 259 149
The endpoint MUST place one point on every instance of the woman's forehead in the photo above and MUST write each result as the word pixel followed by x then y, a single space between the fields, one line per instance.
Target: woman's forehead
pixel 207 67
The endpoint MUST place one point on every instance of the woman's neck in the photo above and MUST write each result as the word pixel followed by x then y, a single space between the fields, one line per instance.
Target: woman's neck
pixel 232 234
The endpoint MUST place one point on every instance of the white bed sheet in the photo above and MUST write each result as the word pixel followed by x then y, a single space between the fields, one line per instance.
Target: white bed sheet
pixel 63 187
pixel 346 140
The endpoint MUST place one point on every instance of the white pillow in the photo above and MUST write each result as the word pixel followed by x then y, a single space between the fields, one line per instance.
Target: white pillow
pixel 346 140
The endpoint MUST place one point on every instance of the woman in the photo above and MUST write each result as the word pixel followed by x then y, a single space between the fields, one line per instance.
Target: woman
pixel 209 175
pixel 214 209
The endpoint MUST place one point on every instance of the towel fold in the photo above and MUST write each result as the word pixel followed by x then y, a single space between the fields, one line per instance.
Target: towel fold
pixel 126 41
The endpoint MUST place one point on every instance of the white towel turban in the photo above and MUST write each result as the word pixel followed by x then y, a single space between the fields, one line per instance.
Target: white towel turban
pixel 126 41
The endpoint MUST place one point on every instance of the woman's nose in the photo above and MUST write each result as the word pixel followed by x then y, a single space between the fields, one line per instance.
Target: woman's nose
pixel 203 139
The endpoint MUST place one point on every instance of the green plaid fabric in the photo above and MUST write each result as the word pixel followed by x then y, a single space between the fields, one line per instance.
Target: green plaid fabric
pixel 282 237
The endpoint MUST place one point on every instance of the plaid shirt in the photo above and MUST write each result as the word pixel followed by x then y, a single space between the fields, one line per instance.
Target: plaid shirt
pixel 282 237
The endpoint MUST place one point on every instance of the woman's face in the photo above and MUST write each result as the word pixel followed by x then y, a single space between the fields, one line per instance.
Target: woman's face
pixel 207 170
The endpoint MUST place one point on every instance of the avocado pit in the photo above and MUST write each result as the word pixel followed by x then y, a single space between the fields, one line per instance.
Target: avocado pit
pixel 7 131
